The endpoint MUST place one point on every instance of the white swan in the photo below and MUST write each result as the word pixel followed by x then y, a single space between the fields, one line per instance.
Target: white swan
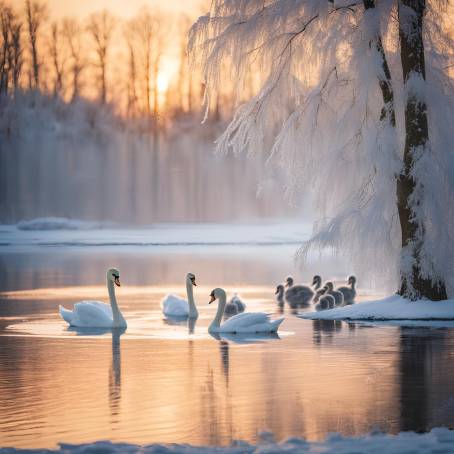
pixel 234 306
pixel 349 292
pixel 247 322
pixel 175 306
pixel 338 296
pixel 96 314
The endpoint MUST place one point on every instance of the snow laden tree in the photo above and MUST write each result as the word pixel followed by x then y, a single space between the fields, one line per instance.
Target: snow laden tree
pixel 354 102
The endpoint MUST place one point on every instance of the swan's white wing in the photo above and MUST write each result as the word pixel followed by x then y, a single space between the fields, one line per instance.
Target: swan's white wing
pixel 247 319
pixel 66 314
pixel 174 305
pixel 93 314
pixel 250 322
pixel 107 308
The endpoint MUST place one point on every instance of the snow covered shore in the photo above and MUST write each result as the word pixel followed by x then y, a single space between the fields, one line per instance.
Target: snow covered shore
pixel 70 232
pixel 439 440
pixel 392 308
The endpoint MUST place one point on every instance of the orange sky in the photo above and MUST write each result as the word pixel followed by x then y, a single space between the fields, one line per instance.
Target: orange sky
pixel 121 7
pixel 128 8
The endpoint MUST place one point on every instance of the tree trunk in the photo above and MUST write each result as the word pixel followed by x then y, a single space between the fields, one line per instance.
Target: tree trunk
pixel 103 81
pixel 413 286
pixel 388 112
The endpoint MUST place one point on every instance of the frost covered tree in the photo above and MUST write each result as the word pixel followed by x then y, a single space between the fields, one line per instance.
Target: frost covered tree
pixel 355 104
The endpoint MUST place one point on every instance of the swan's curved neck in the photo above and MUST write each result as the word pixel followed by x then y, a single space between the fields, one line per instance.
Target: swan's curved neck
pixel 353 285
pixel 118 319
pixel 193 313
pixel 318 284
pixel 280 295
pixel 216 323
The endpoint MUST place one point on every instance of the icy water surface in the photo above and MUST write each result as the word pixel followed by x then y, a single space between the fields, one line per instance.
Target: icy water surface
pixel 166 381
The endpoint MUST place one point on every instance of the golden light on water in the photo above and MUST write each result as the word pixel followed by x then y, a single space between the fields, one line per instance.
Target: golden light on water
pixel 76 293
pixel 158 383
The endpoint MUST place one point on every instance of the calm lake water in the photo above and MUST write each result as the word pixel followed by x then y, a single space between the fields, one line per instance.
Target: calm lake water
pixel 165 381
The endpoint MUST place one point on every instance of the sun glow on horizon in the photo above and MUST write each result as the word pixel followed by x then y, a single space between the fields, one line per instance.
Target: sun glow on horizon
pixel 163 82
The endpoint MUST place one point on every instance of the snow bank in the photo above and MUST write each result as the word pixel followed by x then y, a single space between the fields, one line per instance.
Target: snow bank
pixel 439 440
pixel 57 223
pixel 392 308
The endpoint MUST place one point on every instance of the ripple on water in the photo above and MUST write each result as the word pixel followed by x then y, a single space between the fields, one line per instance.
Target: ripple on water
pixel 163 380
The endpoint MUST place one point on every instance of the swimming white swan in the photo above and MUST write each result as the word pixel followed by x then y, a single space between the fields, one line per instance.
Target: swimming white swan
pixel 234 306
pixel 247 322
pixel 338 296
pixel 349 292
pixel 96 314
pixel 300 295
pixel 178 307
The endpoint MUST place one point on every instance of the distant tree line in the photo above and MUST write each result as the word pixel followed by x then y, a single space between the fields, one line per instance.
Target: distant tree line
pixel 102 58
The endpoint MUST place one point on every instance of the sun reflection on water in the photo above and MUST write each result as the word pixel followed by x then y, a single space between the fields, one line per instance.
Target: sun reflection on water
pixel 169 380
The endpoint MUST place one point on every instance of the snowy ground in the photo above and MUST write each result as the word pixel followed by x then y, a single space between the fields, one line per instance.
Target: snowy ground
pixel 439 441
pixel 391 308
pixel 68 232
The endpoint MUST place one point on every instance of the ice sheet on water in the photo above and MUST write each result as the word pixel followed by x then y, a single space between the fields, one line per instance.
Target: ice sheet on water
pixel 392 308
pixel 439 440
pixel 57 223
pixel 70 232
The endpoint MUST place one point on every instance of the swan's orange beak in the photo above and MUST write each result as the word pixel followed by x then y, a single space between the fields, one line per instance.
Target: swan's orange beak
pixel 117 282
pixel 212 298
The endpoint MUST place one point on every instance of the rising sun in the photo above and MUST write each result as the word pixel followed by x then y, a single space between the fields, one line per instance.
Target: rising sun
pixel 163 82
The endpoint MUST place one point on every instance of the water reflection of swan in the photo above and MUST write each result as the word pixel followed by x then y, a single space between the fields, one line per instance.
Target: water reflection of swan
pixel 115 367
pixel 181 321
pixel 176 321
pixel 245 338
pixel 96 314
pixel 115 373
pixel 225 359
pixel 247 322
pixel 325 327
pixel 173 305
